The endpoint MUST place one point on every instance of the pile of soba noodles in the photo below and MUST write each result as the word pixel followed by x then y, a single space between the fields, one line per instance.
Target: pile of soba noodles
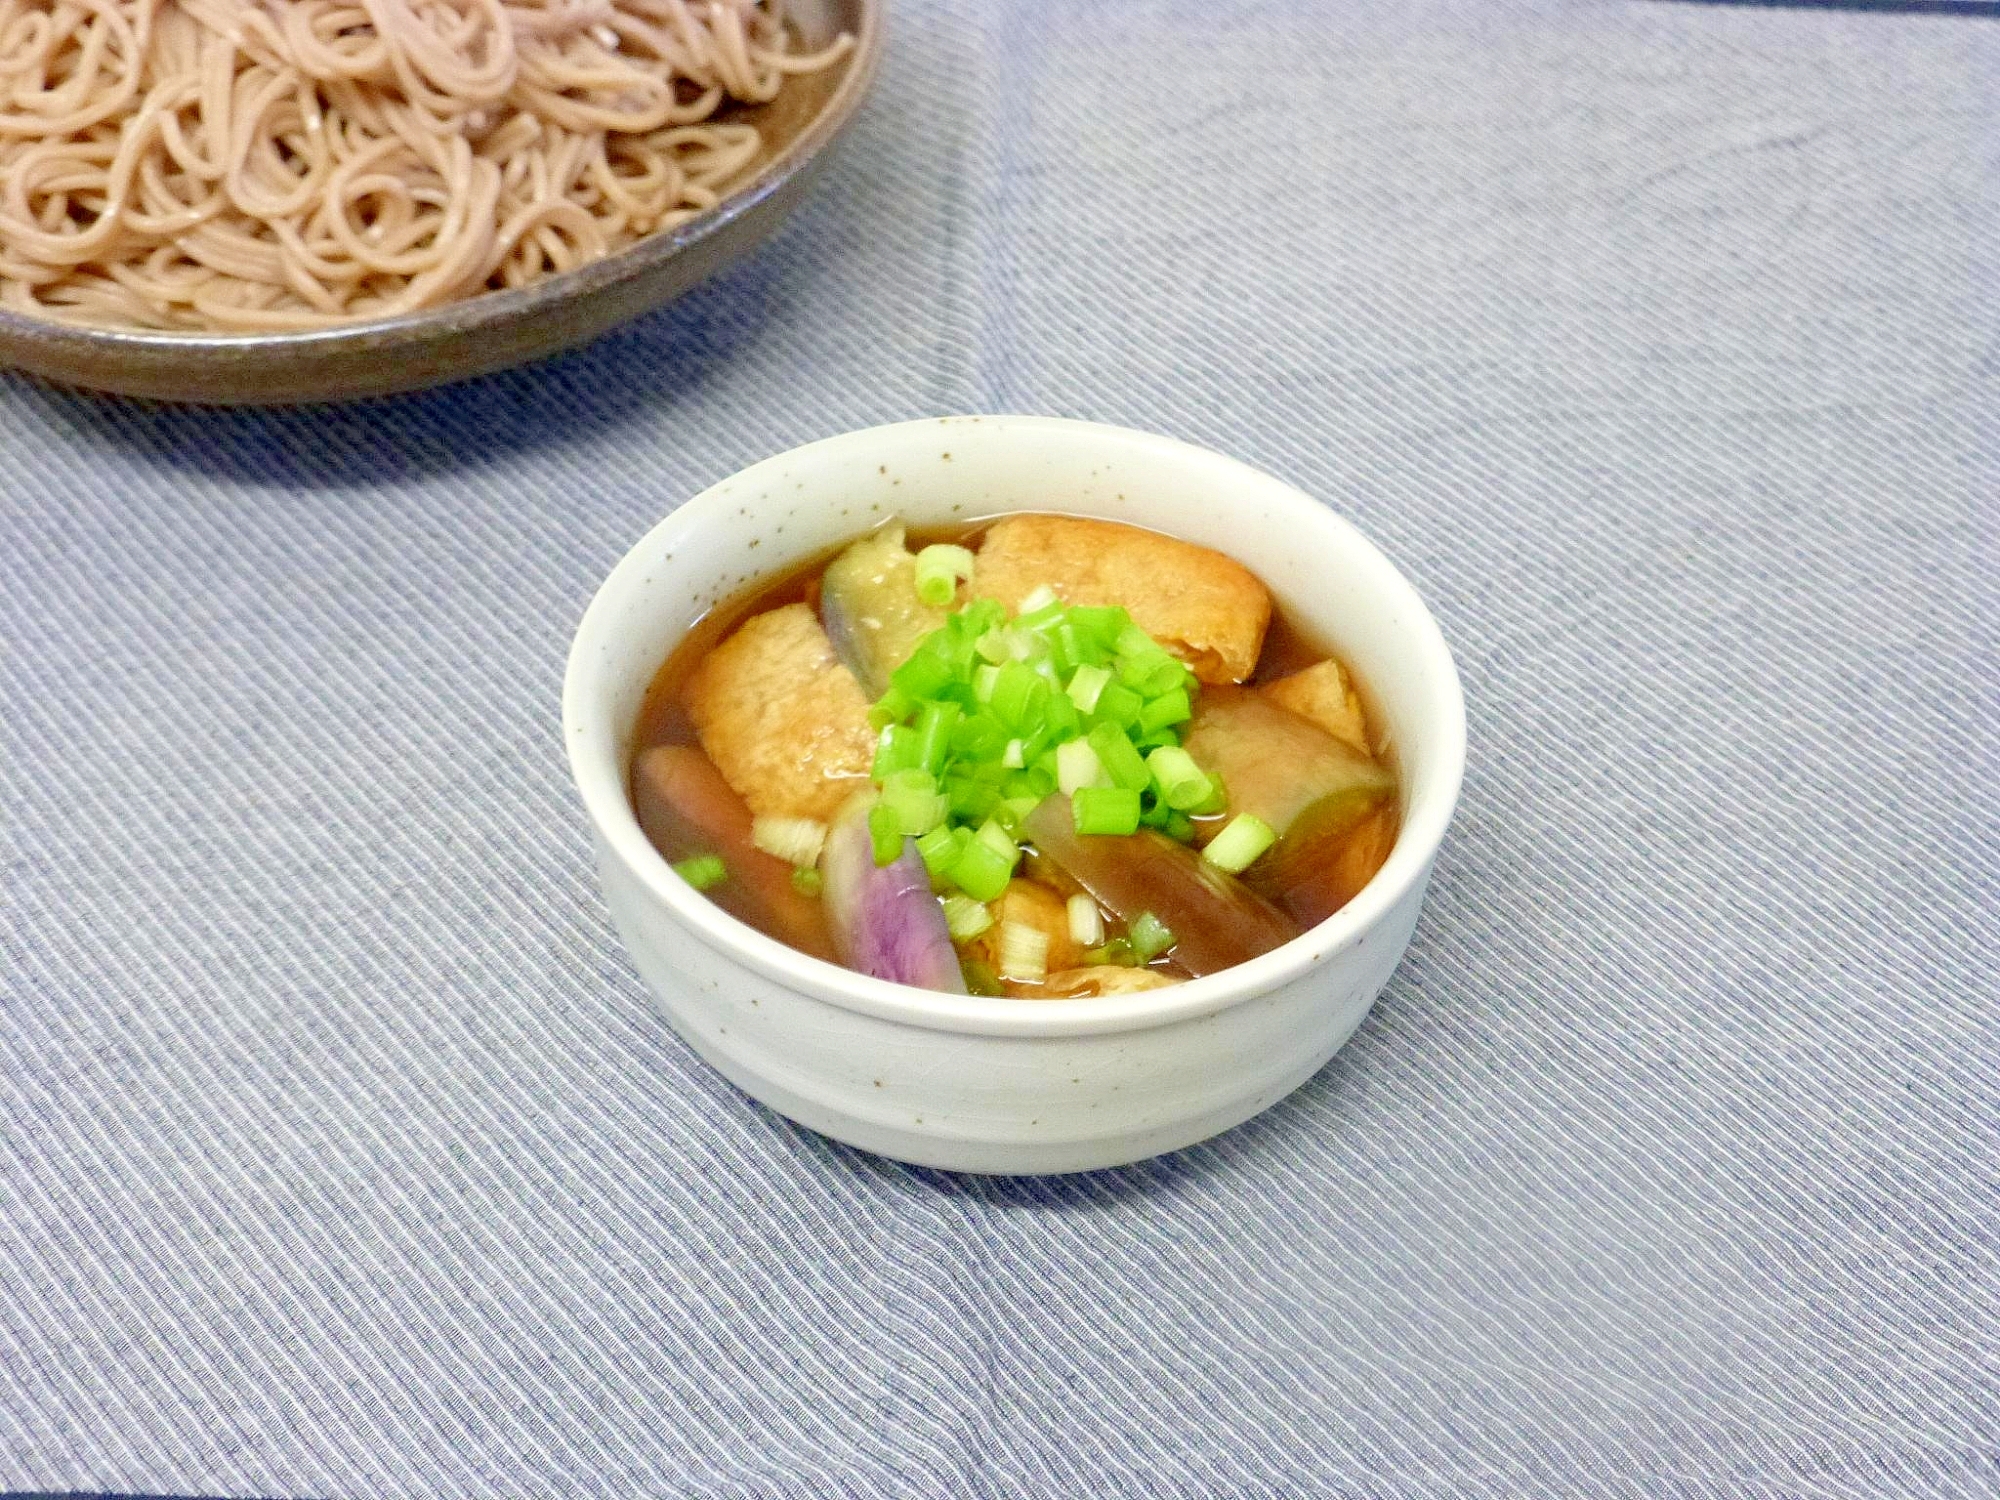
pixel 269 165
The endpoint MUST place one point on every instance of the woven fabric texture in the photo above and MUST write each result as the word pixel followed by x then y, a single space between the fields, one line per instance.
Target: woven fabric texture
pixel 343 1155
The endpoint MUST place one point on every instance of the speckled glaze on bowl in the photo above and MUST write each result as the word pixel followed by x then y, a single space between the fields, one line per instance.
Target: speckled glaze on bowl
pixel 497 329
pixel 998 1085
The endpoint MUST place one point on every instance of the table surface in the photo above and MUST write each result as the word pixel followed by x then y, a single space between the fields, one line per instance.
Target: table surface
pixel 341 1153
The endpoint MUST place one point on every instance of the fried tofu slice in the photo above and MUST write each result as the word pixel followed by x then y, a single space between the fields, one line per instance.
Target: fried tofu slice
pixel 1324 694
pixel 1209 610
pixel 1103 979
pixel 1037 906
pixel 783 720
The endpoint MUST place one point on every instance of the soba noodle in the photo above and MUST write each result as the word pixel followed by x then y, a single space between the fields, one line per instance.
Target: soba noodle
pixel 244 165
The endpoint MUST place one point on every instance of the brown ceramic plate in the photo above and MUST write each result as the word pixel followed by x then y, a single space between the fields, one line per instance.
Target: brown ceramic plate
pixel 496 329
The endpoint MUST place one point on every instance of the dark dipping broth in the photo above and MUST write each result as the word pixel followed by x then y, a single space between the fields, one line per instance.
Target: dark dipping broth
pixel 1300 754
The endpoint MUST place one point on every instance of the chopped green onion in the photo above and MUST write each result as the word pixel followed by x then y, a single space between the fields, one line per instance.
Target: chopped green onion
pixel 797 841
pixel 1167 709
pixel 1077 766
pixel 1134 642
pixel 989 715
pixel 980 616
pixel 1063 719
pixel 1035 627
pixel 1135 672
pixel 924 675
pixel 1216 801
pixel 939 568
pixel 1000 841
pixel 1121 762
pixel 980 871
pixel 885 832
pixel 891 708
pixel 1150 937
pixel 1119 704
pixel 1117 951
pixel 1085 684
pixel 1033 784
pixel 938 848
pixel 1023 645
pixel 1086 922
pixel 980 979
pixel 1014 694
pixel 1182 783
pixel 1012 810
pixel 1103 624
pixel 977 738
pixel 971 799
pixel 966 918
pixel 1241 841
pixel 1024 952
pixel 1152 673
pixel 1036 599
pixel 914 798
pixel 1167 676
pixel 702 870
pixel 895 750
pixel 1105 809
pixel 806 882
pixel 934 727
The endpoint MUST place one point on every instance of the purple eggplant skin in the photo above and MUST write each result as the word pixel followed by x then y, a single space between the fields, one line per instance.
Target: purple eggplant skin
pixel 869 607
pixel 885 921
pixel 1217 921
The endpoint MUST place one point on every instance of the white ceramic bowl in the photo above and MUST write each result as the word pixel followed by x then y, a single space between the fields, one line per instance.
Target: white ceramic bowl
pixel 997 1085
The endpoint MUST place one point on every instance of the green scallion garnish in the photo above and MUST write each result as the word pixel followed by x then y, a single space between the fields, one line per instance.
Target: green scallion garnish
pixel 1170 708
pixel 1242 839
pixel 1105 809
pixel 913 797
pixel 938 849
pixel 1086 922
pixel 990 715
pixel 939 568
pixel 935 723
pixel 1149 937
pixel 980 871
pixel 1117 951
pixel 1077 767
pixel 980 978
pixel 1182 783
pixel 966 918
pixel 1086 684
pixel 885 833
pixel 1121 762
pixel 702 870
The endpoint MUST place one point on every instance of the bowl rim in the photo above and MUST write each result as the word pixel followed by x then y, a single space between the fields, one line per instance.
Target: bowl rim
pixel 489 309
pixel 601 781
